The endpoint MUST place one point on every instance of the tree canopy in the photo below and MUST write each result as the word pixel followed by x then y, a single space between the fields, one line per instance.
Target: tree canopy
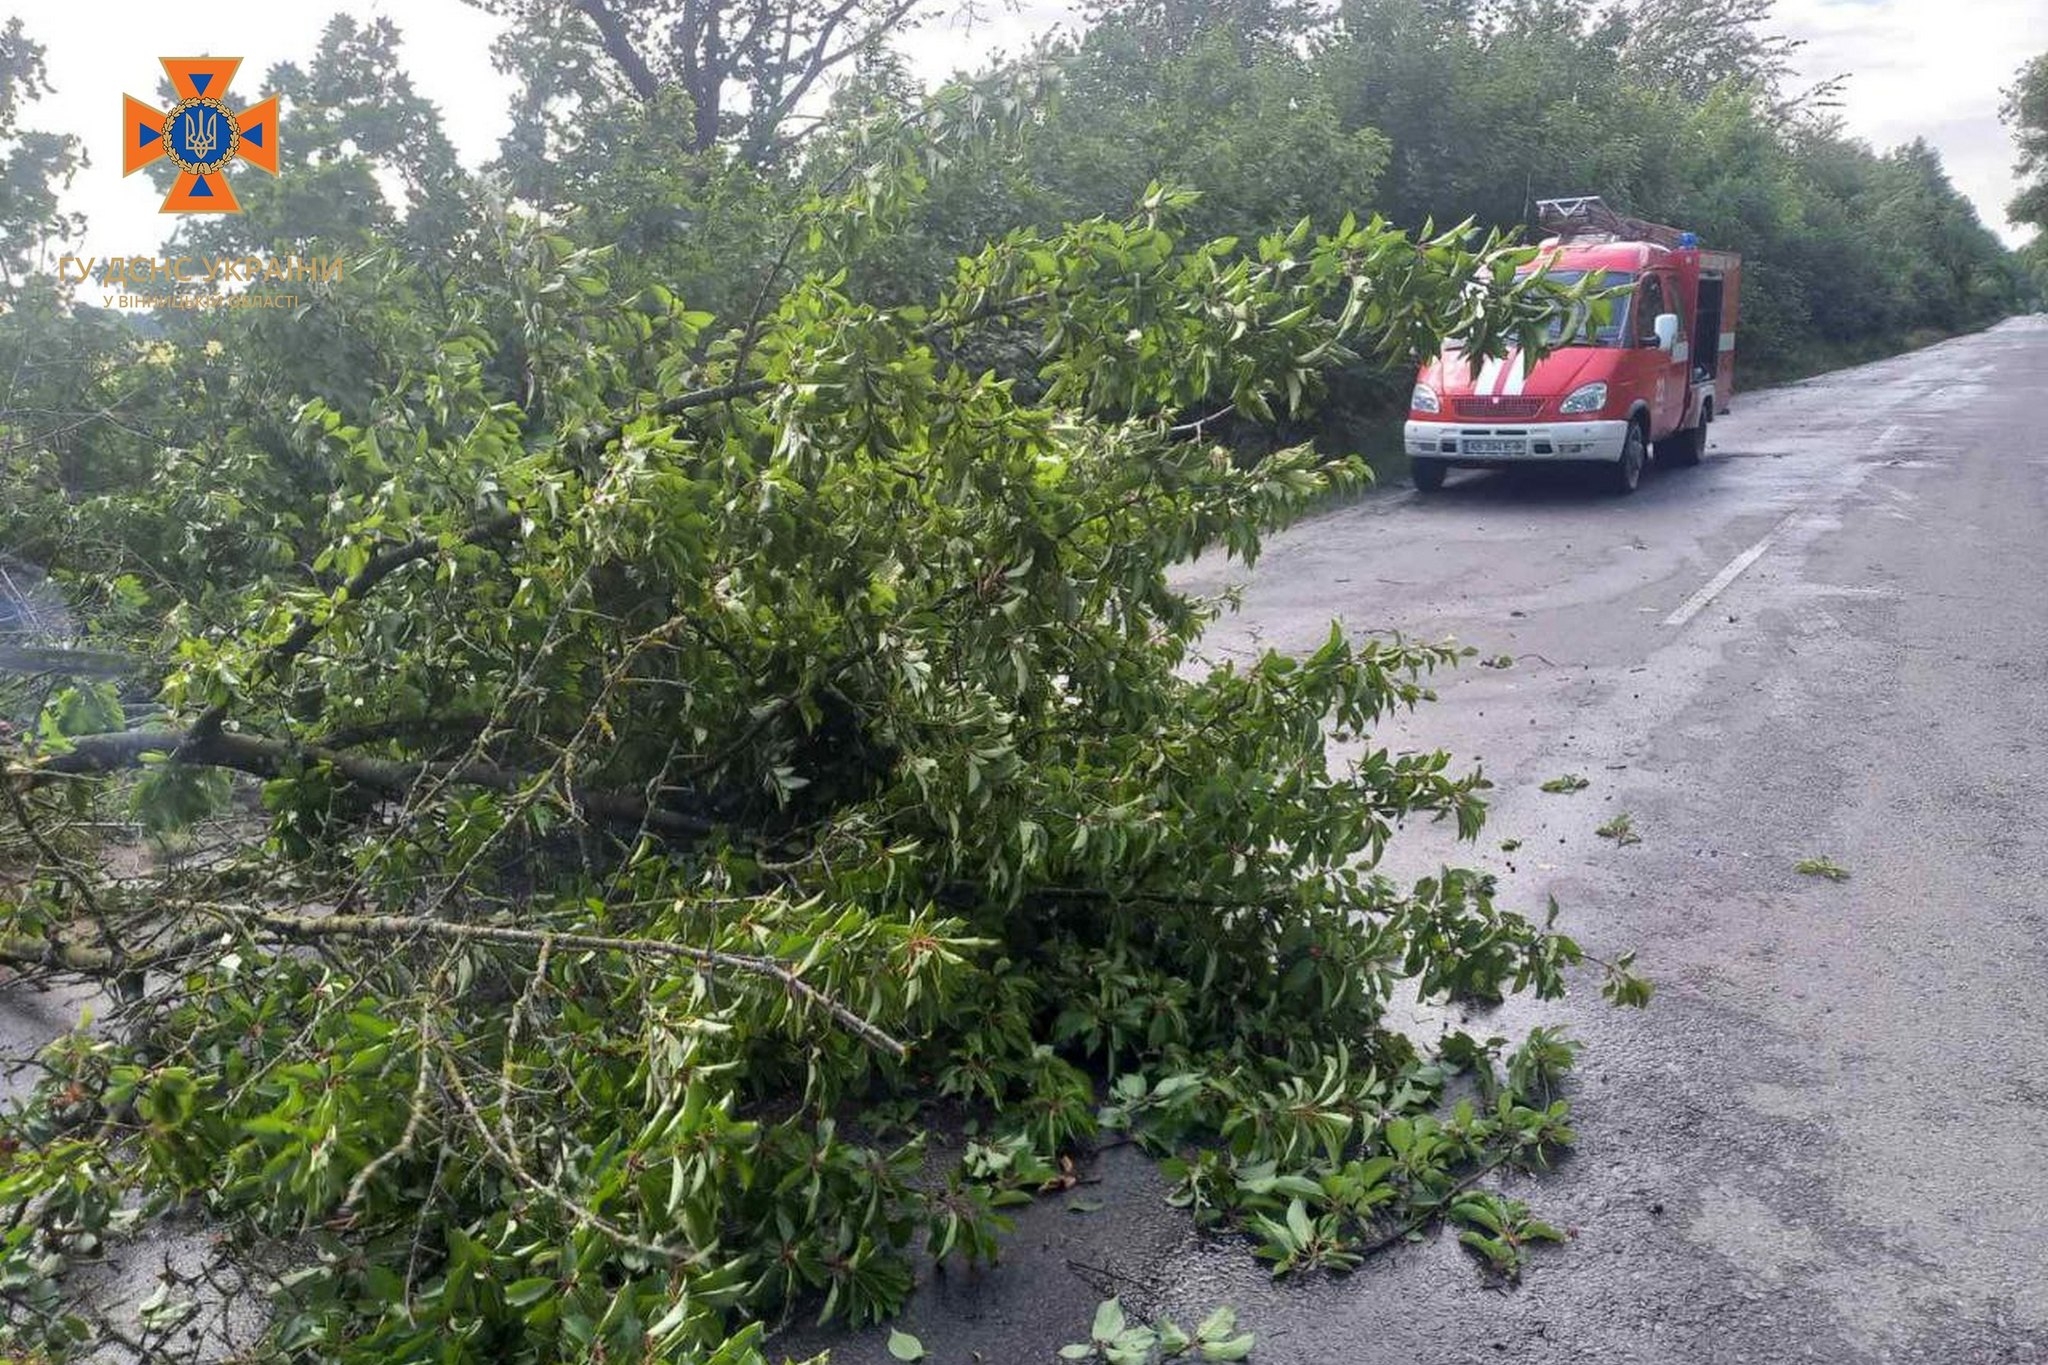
pixel 2026 110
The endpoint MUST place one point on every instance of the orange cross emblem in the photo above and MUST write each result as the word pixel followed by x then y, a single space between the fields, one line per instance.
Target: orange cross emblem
pixel 201 136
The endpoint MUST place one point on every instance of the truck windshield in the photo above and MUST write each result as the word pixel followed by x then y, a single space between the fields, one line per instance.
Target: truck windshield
pixel 1608 323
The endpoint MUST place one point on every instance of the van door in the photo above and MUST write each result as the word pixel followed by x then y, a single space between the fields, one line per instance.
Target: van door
pixel 1662 372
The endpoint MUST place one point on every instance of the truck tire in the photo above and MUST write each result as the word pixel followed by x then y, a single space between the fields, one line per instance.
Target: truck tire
pixel 1428 474
pixel 1627 472
pixel 1687 447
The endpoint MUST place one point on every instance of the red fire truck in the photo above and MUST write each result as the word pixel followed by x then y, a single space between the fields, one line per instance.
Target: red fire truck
pixel 1649 378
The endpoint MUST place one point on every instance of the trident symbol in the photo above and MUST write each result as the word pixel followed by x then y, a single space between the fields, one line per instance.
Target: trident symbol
pixel 202 133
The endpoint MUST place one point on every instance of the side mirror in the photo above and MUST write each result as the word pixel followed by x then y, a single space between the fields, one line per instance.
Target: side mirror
pixel 1667 331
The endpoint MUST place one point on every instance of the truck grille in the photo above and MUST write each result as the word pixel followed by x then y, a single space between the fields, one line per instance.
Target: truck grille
pixel 1505 409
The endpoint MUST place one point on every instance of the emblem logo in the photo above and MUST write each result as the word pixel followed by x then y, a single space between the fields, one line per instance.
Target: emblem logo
pixel 201 135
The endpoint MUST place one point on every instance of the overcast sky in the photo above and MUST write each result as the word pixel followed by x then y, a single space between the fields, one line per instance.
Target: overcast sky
pixel 1919 68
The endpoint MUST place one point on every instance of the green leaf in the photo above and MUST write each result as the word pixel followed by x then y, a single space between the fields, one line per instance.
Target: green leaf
pixel 904 1346
pixel 521 1293
pixel 1299 1223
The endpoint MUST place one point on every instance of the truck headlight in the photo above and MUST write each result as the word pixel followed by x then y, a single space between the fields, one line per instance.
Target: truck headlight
pixel 1585 398
pixel 1424 400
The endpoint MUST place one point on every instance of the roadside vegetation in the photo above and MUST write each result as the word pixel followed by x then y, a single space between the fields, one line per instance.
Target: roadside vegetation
pixel 657 784
pixel 1443 110
pixel 2026 114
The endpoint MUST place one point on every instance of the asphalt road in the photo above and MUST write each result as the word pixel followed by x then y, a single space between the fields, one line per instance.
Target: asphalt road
pixel 1827 1140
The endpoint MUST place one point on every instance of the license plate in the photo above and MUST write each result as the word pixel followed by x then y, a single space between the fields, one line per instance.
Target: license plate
pixel 1474 446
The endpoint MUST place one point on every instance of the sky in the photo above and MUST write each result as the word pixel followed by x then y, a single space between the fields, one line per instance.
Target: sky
pixel 1918 68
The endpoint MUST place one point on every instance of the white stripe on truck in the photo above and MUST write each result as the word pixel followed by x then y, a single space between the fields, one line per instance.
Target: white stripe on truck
pixel 1518 373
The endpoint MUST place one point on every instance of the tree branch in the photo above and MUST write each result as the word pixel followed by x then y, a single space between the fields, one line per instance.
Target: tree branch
pixel 310 929
pixel 620 47
pixel 675 407
pixel 747 388
pixel 814 63
pixel 381 566
pixel 23 950
pixel 263 757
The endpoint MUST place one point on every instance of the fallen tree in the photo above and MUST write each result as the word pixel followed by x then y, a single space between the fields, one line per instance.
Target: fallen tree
pixel 668 803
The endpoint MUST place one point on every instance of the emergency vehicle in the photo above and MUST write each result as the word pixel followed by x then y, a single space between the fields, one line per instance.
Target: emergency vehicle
pixel 1651 377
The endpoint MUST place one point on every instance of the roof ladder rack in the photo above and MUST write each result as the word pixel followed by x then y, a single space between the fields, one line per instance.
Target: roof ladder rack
pixel 1587 218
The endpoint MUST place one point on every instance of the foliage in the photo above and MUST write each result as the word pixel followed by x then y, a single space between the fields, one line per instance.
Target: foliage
pixel 735 69
pixel 1821 867
pixel 2025 111
pixel 1566 784
pixel 675 662
pixel 35 166
pixel 1536 1068
pixel 1115 1340
pixel 1479 110
pixel 357 126
pixel 1621 829
pixel 1500 1231
pixel 656 764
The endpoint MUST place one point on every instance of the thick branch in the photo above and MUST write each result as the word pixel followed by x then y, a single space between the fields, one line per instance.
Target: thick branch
pixel 818 60
pixel 262 757
pixel 676 406
pixel 621 48
pixel 21 950
pixel 26 951
pixel 405 727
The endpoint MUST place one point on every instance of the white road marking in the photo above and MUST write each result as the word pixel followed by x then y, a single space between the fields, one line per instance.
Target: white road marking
pixel 1720 581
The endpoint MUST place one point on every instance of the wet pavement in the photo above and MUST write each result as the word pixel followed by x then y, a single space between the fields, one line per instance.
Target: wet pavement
pixel 1827 1140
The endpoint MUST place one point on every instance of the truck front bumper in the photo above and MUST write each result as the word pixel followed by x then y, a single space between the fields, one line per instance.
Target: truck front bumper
pixel 1473 443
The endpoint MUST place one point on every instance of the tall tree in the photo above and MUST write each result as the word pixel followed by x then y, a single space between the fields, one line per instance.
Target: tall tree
pixel 34 166
pixel 1696 45
pixel 746 66
pixel 2026 113
pixel 365 155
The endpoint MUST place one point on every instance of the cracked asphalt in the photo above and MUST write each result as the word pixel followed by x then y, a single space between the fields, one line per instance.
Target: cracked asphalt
pixel 1827 1139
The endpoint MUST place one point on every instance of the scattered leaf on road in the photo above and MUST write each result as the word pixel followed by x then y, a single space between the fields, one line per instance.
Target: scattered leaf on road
pixel 1620 829
pixel 1822 867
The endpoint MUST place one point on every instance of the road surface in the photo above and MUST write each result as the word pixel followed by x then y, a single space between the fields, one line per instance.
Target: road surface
pixel 1827 1140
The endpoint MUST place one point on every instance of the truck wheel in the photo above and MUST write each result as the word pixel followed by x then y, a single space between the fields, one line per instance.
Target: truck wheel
pixel 1627 472
pixel 1687 447
pixel 1428 474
